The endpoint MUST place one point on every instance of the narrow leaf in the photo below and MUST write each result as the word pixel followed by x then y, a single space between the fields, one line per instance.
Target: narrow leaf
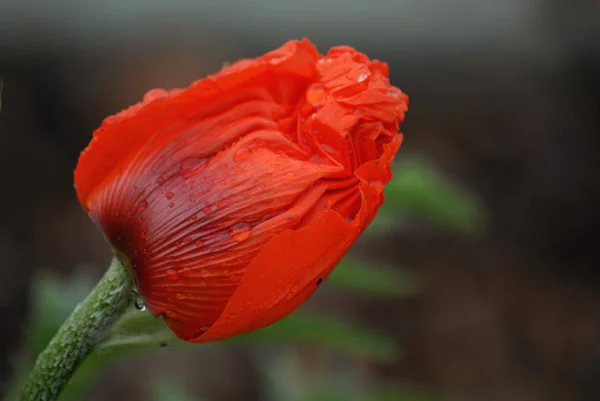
pixel 359 276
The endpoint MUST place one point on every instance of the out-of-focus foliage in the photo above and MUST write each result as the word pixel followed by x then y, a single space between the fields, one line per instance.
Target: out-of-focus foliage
pixel 170 390
pixel 354 274
pixel 298 328
pixel 53 303
pixel 288 383
pixel 418 192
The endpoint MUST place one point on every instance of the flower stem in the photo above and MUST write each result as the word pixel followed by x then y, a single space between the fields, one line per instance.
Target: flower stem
pixel 76 339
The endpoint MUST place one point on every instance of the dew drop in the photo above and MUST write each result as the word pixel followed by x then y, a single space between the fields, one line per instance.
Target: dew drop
pixel 139 304
pixel 186 271
pixel 180 296
pixel 315 93
pixel 362 77
pixel 172 274
pixel 143 234
pixel 204 273
pixel 169 195
pixel 198 243
pixel 142 205
pixel 242 154
pixel 171 205
pixel 170 313
pixel 186 173
pixel 240 232
pixel 203 329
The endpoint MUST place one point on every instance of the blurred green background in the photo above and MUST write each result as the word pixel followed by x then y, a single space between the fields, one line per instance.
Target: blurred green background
pixel 479 278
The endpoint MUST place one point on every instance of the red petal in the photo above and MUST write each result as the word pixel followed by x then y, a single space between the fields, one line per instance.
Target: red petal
pixel 283 275
pixel 278 77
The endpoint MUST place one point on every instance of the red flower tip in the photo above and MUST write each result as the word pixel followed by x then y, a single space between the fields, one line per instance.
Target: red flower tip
pixel 233 198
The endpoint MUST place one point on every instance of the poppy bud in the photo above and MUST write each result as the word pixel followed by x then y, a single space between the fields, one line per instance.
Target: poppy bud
pixel 232 199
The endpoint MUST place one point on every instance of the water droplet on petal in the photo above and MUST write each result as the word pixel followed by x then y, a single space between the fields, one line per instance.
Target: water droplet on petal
pixel 186 172
pixel 180 296
pixel 142 205
pixel 362 77
pixel 198 243
pixel 241 154
pixel 172 274
pixel 171 205
pixel 315 93
pixel 139 304
pixel 169 195
pixel 240 232
pixel 143 234
pixel 154 94
pixel 203 330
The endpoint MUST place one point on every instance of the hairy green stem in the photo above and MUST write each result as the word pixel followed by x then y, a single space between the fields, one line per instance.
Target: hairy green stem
pixel 76 339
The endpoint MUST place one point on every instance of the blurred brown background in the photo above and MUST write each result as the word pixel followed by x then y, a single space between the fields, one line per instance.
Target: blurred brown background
pixel 504 99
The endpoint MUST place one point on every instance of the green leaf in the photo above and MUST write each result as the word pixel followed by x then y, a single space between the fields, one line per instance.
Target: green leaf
pixel 356 275
pixel 53 302
pixel 324 331
pixel 169 390
pixel 406 394
pixel 419 191
pixel 298 328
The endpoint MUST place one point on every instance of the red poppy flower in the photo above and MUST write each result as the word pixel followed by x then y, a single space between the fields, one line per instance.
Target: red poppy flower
pixel 232 199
